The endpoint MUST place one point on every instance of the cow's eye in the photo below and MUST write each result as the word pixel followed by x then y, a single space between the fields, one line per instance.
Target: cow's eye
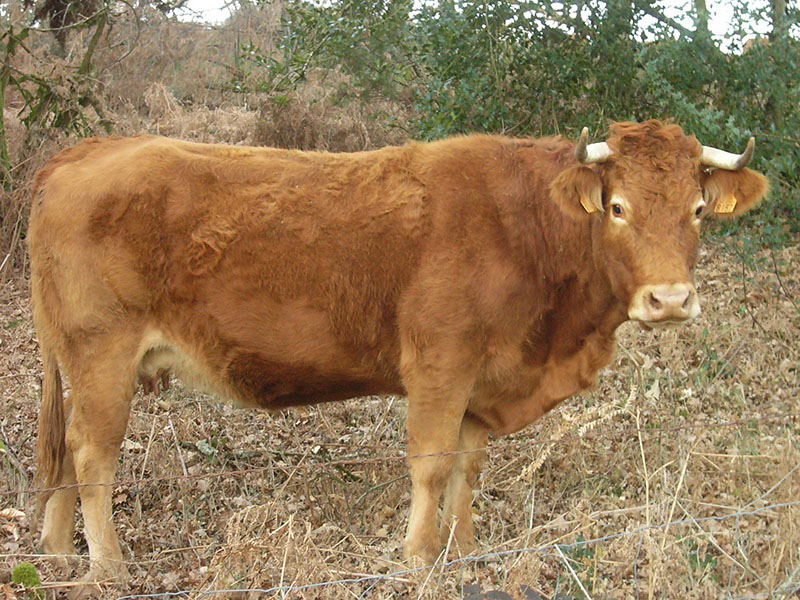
pixel 616 209
pixel 699 208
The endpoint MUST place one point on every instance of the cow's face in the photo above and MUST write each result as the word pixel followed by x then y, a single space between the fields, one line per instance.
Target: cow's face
pixel 648 190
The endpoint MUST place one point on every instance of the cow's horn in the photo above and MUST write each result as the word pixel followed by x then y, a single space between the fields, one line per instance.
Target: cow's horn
pixel 713 157
pixel 591 153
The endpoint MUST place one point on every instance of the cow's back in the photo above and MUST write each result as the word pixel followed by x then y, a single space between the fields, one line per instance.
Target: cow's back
pixel 269 267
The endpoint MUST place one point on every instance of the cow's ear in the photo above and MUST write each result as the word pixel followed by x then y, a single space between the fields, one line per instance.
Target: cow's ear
pixel 578 191
pixel 732 193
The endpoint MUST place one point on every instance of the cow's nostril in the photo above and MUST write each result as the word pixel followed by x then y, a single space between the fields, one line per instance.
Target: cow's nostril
pixel 685 304
pixel 654 302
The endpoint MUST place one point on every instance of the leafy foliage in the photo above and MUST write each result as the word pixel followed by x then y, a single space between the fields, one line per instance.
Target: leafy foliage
pixel 529 68
pixel 52 101
pixel 367 41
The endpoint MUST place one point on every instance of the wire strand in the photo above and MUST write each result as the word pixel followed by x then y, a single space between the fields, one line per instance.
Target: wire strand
pixel 403 457
pixel 473 559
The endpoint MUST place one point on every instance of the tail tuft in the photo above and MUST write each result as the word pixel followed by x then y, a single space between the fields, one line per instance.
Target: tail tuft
pixel 51 446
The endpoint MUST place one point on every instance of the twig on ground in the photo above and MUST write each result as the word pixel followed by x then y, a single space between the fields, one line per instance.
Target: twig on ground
pixel 178 446
pixel 574 575
pixel 677 491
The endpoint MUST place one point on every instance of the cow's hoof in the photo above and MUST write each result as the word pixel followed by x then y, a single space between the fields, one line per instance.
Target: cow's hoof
pixel 463 541
pixel 83 591
pixel 86 587
pixel 65 563
pixel 421 555
pixel 97 580
pixel 64 558
pixel 465 547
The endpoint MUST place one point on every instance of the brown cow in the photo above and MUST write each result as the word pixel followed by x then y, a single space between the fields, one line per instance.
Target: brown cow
pixel 481 276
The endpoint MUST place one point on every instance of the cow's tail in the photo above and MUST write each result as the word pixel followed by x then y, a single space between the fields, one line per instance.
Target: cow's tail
pixel 51 445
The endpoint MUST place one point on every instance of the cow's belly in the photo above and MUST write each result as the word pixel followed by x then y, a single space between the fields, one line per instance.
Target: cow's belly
pixel 271 383
pixel 247 378
pixel 263 352
pixel 513 398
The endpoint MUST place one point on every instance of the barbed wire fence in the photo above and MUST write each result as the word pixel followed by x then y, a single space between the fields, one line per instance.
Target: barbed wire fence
pixel 325 464
pixel 579 428
pixel 375 579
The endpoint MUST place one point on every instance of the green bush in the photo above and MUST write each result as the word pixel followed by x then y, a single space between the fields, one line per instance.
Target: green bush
pixel 529 69
pixel 367 41
pixel 25 574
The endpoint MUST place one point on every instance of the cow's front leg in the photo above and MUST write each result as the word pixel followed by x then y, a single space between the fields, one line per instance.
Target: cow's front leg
pixel 434 422
pixel 472 442
pixel 429 433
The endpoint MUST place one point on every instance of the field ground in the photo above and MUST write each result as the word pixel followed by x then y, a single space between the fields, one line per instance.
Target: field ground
pixel 678 477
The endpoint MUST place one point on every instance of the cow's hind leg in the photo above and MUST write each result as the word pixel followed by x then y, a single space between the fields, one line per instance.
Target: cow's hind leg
pixel 59 513
pixel 472 442
pixel 102 390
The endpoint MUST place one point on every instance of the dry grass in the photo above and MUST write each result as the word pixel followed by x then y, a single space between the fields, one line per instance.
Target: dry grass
pixel 279 525
pixel 313 118
pixel 584 472
pixel 166 116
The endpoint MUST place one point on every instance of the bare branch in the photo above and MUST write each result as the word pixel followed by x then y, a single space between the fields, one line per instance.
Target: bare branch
pixel 661 17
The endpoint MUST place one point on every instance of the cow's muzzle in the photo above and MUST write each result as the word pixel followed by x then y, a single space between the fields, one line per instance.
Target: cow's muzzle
pixel 664 304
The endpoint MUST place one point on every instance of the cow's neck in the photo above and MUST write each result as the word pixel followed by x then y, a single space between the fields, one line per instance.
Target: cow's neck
pixel 570 333
pixel 564 256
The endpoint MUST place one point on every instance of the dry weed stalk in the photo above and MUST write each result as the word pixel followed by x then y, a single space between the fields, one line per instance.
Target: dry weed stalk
pixel 161 103
pixel 224 124
pixel 585 422
pixel 312 118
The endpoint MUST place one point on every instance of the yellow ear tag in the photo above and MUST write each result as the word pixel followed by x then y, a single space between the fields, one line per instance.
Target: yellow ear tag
pixel 726 205
pixel 587 204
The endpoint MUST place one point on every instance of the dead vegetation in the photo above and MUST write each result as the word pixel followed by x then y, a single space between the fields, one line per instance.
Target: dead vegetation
pixel 684 481
pixel 312 119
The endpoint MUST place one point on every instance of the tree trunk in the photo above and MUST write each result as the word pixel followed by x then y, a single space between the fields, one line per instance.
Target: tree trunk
pixel 773 109
pixel 779 22
pixel 701 20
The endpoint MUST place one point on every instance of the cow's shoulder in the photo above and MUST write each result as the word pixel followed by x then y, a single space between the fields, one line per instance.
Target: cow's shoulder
pixel 89 148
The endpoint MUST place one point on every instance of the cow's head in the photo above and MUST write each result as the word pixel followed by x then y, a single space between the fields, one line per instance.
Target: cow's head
pixel 647 190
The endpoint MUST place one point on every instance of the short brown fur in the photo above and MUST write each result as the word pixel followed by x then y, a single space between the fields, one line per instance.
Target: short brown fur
pixel 463 273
